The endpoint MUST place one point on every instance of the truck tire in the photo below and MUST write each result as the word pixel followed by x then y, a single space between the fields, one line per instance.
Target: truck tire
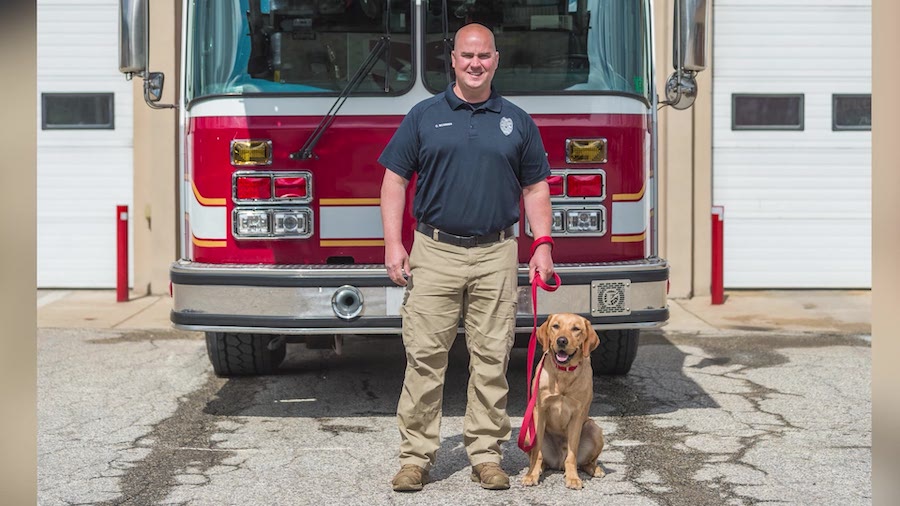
pixel 233 354
pixel 616 352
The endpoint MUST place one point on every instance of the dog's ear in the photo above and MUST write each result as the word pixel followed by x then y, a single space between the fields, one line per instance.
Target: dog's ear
pixel 592 341
pixel 543 333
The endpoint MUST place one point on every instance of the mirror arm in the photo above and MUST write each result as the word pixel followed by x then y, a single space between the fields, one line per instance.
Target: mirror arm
pixel 681 89
pixel 151 103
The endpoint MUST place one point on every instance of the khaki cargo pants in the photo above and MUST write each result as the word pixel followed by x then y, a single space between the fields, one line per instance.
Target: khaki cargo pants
pixel 444 278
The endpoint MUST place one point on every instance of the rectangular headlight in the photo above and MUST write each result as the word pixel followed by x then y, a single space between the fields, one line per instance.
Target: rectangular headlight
pixel 584 220
pixel 251 223
pixel 571 221
pixel 294 223
pixel 558 221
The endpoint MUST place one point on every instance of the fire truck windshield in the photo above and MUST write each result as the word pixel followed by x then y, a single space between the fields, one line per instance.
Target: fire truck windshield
pixel 243 47
pixel 296 46
pixel 552 46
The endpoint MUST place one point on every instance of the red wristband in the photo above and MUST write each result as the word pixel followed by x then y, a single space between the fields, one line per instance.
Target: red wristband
pixel 541 240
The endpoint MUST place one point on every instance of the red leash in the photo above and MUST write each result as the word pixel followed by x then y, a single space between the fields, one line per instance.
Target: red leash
pixel 527 431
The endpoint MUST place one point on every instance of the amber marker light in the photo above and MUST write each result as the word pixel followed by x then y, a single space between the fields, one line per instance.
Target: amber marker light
pixel 585 150
pixel 246 153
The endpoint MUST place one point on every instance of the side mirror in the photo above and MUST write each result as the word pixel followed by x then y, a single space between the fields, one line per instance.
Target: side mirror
pixel 134 50
pixel 153 90
pixel 688 52
pixel 689 35
pixel 133 16
pixel 153 86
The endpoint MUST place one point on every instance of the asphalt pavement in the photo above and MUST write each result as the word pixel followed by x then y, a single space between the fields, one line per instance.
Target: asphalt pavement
pixel 762 400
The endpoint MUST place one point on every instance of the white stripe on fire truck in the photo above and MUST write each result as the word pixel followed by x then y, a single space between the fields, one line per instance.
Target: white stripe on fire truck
pixel 350 222
pixel 629 216
pixel 397 106
pixel 206 221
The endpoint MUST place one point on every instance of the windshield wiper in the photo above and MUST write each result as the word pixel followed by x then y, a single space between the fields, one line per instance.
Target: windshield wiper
pixel 446 29
pixel 383 44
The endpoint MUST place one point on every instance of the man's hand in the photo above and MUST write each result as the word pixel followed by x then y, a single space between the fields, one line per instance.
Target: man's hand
pixel 541 261
pixel 396 259
pixel 393 200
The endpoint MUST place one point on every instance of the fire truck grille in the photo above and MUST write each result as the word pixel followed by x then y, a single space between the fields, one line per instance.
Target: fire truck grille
pixel 610 298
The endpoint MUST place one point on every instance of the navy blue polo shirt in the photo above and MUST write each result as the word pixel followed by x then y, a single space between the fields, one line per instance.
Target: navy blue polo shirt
pixel 472 162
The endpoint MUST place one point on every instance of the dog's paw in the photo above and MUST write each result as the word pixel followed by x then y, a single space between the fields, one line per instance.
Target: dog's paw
pixel 529 480
pixel 594 470
pixel 574 483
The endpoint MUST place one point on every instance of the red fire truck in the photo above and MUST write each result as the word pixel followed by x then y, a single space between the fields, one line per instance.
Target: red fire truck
pixel 285 105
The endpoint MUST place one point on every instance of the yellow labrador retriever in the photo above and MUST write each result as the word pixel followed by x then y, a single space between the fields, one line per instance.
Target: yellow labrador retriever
pixel 565 438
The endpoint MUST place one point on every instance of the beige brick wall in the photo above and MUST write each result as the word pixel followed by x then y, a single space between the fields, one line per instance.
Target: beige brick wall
pixel 685 171
pixel 155 159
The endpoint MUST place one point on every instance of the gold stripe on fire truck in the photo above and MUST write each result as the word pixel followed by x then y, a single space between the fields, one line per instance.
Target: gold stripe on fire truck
pixel 628 238
pixel 206 201
pixel 630 196
pixel 206 243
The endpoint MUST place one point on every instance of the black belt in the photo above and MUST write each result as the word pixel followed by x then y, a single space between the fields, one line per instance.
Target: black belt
pixel 465 241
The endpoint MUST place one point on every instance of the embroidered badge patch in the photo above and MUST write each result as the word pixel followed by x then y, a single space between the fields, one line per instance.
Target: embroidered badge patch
pixel 506 126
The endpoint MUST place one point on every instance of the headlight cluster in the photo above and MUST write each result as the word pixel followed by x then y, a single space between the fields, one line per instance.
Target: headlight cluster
pixel 577 221
pixel 272 223
pixel 265 200
pixel 577 196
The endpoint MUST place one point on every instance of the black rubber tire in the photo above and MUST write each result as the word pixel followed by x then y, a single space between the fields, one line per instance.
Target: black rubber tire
pixel 233 354
pixel 616 352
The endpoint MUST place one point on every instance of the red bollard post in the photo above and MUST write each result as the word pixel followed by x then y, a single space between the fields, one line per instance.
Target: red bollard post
pixel 717 282
pixel 122 254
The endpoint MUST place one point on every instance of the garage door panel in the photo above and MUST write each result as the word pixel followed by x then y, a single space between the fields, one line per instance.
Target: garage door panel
pixel 780 176
pixel 746 152
pixel 831 233
pixel 791 272
pixel 70 256
pixel 775 41
pixel 787 215
pixel 81 174
pixel 797 202
pixel 802 275
pixel 825 254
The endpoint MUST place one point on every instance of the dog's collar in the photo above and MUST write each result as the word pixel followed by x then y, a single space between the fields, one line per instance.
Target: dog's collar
pixel 564 368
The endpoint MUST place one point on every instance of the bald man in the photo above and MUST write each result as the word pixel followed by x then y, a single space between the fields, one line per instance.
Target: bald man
pixel 476 155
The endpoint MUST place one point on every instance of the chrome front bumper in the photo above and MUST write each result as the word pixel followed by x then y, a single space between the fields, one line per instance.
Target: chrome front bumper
pixel 298 299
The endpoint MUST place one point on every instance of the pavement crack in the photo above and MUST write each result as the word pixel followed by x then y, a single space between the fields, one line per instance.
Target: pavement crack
pixel 663 451
pixel 178 445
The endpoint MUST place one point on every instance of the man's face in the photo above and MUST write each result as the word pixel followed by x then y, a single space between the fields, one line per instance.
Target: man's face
pixel 474 59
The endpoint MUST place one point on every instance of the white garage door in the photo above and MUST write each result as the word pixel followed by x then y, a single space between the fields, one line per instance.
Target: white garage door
pixel 791 148
pixel 84 143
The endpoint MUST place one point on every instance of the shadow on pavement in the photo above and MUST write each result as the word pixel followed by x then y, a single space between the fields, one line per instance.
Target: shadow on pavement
pixel 366 381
